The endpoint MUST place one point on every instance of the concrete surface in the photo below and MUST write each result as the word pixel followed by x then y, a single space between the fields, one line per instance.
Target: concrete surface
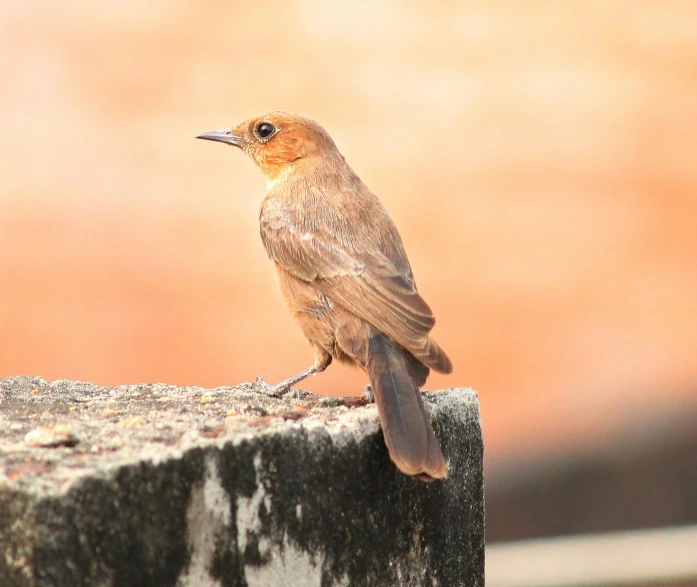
pixel 159 485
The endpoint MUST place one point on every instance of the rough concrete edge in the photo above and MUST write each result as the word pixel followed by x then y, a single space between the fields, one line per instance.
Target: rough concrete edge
pixel 442 405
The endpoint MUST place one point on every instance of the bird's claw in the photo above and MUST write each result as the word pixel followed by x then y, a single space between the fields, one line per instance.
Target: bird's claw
pixel 272 390
pixel 368 393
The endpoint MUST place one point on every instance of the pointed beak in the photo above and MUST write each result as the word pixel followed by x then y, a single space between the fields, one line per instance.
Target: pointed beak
pixel 222 136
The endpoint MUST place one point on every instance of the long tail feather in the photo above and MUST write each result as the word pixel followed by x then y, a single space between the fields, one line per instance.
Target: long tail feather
pixel 407 429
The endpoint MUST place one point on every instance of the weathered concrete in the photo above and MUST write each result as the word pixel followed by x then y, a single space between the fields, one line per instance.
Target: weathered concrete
pixel 158 485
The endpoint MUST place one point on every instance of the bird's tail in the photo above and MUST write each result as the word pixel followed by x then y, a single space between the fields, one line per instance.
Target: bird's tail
pixel 405 423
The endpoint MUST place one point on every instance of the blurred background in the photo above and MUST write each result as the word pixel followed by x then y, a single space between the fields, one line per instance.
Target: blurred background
pixel 539 158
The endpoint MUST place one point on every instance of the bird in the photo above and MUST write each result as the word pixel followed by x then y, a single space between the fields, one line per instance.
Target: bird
pixel 343 272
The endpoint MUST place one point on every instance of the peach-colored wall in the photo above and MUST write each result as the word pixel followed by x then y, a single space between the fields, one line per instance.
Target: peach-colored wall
pixel 540 159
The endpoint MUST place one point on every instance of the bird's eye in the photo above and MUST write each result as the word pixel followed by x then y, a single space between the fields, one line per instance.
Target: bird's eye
pixel 265 130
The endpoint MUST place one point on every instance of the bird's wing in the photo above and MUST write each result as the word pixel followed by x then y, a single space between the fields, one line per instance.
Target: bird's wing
pixel 367 283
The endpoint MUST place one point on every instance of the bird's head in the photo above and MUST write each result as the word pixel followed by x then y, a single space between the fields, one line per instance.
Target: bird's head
pixel 277 141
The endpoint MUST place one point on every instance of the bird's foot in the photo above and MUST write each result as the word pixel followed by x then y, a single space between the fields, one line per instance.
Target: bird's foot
pixel 298 393
pixel 368 393
pixel 284 386
pixel 280 389
pixel 272 390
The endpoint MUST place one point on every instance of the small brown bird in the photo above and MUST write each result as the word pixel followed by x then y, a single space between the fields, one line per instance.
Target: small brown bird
pixel 345 277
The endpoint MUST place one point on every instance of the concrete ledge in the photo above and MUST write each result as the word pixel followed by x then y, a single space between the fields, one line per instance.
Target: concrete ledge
pixel 159 485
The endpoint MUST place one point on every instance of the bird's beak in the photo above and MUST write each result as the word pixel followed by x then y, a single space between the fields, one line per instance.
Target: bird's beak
pixel 222 136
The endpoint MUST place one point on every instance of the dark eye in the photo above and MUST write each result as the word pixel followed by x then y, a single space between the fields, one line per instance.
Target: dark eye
pixel 265 130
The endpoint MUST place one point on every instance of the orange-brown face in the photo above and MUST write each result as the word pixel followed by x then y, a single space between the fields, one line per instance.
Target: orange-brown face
pixel 277 140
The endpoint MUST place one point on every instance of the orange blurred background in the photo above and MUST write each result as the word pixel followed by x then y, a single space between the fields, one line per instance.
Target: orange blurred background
pixel 539 158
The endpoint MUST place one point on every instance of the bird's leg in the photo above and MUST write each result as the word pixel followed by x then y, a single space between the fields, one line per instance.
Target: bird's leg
pixel 279 389
pixel 322 361
pixel 368 393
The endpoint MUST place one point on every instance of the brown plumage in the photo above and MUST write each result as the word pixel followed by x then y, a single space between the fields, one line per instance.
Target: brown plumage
pixel 345 277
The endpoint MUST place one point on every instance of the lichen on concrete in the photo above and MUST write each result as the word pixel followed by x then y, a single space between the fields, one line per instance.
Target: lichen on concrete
pixel 168 486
